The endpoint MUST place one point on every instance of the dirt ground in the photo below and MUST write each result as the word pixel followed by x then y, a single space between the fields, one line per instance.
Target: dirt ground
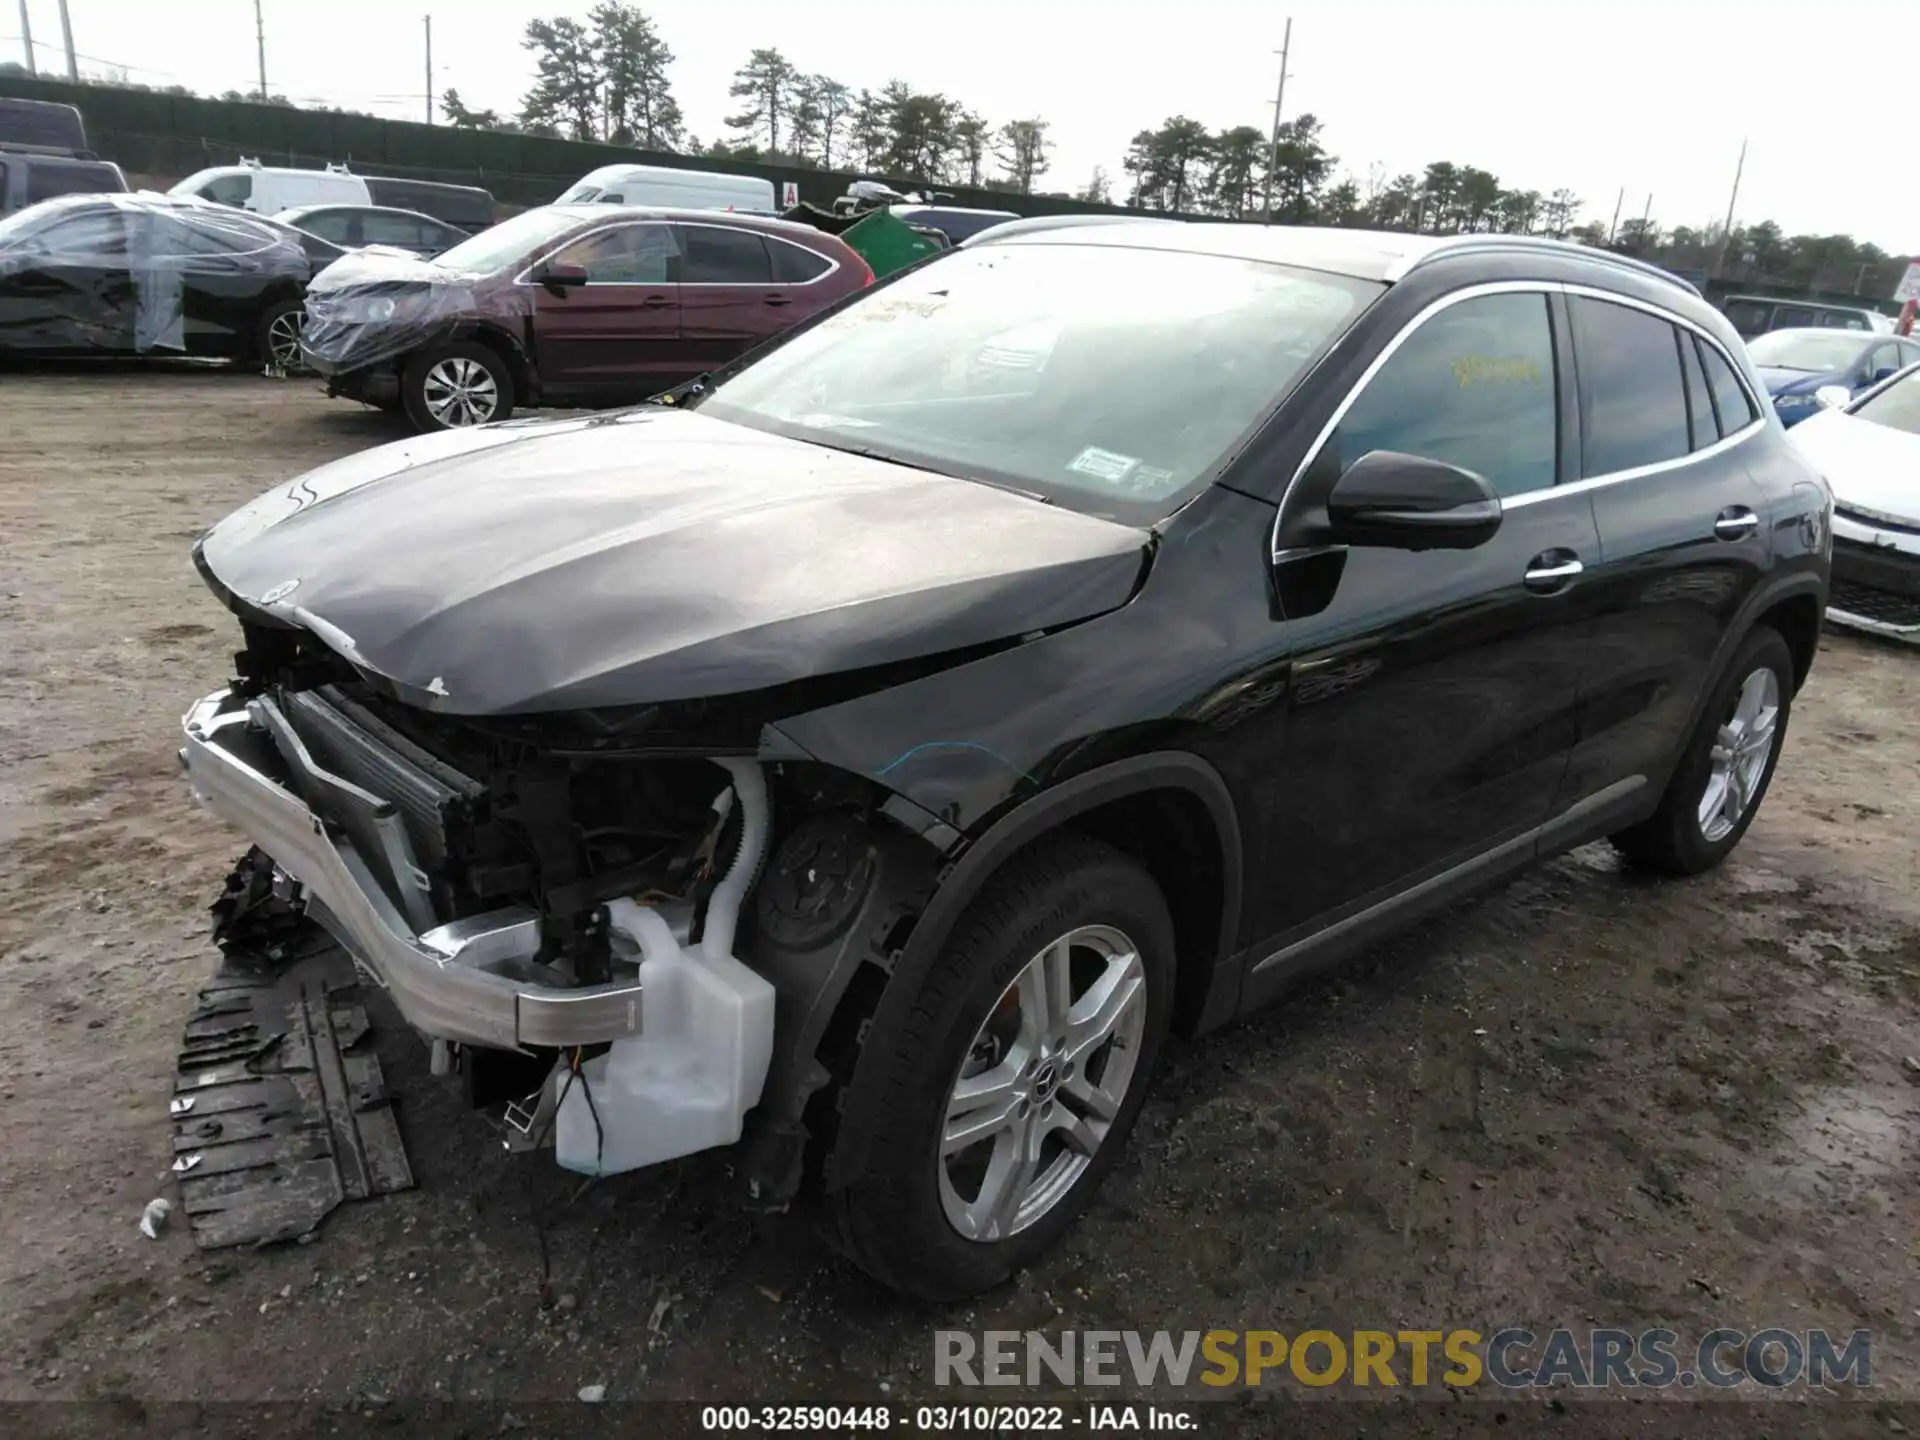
pixel 1585 1100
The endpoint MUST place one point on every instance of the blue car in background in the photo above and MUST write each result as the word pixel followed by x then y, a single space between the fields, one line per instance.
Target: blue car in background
pixel 1795 365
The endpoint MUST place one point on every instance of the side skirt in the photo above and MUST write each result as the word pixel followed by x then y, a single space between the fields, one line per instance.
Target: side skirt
pixel 1599 814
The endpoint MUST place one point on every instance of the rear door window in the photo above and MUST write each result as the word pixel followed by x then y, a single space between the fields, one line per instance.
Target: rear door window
pixel 1473 387
pixel 379 229
pixel 334 225
pixel 1731 402
pixel 1790 317
pixel 719 255
pixel 1633 398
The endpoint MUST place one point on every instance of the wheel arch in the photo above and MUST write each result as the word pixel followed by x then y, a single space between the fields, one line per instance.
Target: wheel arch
pixel 510 349
pixel 1154 807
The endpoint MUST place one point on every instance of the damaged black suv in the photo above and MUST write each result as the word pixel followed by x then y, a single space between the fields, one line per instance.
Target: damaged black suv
pixel 867 761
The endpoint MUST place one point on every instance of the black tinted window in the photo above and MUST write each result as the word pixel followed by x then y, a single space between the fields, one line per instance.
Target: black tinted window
pixel 378 229
pixel 1730 398
pixel 45 180
pixel 793 265
pixel 1706 429
pixel 1474 387
pixel 719 256
pixel 1633 402
pixel 1791 317
pixel 628 255
pixel 1749 317
pixel 229 189
pixel 334 225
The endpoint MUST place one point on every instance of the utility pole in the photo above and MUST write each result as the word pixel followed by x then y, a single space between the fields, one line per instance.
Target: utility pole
pixel 429 20
pixel 26 38
pixel 1273 147
pixel 66 34
pixel 1615 225
pixel 1726 231
pixel 260 44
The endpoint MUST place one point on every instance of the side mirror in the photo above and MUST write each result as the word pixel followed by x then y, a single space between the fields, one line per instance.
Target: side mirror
pixel 1391 501
pixel 558 276
pixel 1833 397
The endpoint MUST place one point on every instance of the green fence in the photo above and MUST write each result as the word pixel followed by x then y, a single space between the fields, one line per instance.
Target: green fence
pixel 170 136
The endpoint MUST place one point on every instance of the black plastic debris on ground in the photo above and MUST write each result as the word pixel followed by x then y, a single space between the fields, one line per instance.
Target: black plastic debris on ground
pixel 280 1111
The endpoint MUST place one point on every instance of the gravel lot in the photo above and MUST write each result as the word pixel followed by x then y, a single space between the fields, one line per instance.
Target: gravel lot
pixel 1587 1099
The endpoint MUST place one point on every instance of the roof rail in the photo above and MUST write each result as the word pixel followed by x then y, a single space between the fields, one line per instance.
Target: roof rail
pixel 1472 244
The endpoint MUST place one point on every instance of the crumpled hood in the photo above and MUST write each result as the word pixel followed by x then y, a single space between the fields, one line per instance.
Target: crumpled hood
pixel 382 266
pixel 651 555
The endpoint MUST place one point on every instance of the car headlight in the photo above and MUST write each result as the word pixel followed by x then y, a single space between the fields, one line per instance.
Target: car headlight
pixel 1794 402
pixel 378 308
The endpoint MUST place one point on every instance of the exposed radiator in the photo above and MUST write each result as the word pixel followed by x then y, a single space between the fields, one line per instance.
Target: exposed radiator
pixel 435 801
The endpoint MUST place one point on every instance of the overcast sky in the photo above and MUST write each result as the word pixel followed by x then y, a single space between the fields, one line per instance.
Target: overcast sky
pixel 1655 98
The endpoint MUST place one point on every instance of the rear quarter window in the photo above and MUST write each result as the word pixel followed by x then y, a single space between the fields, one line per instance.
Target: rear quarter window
pixel 1731 402
pixel 794 264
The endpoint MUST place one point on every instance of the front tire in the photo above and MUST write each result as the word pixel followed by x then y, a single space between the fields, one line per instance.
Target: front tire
pixel 452 386
pixel 276 341
pixel 1008 1093
pixel 1717 788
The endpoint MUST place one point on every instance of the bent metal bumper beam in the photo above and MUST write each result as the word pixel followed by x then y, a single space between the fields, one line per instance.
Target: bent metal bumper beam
pixel 445 981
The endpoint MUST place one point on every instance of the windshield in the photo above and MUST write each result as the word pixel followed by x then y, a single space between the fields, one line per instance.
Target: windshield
pixel 1897 407
pixel 1825 351
pixel 508 242
pixel 1110 380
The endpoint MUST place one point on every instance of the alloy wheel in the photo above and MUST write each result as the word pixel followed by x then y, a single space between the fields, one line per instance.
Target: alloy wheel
pixel 1741 749
pixel 283 339
pixel 459 391
pixel 1042 1083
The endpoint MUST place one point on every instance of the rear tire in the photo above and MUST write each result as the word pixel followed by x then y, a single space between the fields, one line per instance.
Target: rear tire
pixel 1046 1087
pixel 455 385
pixel 1726 768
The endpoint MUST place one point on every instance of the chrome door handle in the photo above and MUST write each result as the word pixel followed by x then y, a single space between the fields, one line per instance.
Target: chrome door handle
pixel 1553 571
pixel 1736 522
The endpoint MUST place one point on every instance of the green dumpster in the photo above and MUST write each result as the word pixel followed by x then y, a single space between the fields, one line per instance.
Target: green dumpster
pixel 887 243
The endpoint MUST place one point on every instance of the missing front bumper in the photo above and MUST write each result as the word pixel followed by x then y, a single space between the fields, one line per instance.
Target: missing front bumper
pixel 446 980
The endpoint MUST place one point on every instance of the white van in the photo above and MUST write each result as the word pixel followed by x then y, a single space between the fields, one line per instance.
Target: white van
pixel 269 189
pixel 664 186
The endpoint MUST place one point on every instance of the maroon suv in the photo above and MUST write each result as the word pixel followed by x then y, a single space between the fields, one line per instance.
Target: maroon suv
pixel 566 305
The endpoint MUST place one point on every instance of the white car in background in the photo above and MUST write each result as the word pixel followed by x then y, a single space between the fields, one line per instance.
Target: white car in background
pixel 1869 449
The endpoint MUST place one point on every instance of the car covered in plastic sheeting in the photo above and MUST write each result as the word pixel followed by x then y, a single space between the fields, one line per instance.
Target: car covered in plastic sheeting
pixel 144 274
pixel 568 304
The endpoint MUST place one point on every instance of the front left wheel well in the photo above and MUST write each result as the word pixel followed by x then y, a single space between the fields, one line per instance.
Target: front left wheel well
pixel 1169 832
